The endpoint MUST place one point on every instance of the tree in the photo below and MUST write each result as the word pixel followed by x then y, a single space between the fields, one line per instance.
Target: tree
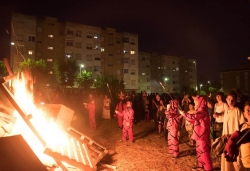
pixel 65 72
pixel 36 70
pixel 85 79
pixel 3 70
pixel 109 85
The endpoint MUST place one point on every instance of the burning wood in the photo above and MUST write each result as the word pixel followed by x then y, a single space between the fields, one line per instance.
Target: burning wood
pixel 37 126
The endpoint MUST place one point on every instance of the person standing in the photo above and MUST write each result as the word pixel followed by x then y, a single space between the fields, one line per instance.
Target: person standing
pixel 173 126
pixel 200 120
pixel 106 107
pixel 219 109
pixel 232 120
pixel 161 116
pixel 239 142
pixel 120 107
pixel 190 127
pixel 185 103
pixel 91 108
pixel 128 120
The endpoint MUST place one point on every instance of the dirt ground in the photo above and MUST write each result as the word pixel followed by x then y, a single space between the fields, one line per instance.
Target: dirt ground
pixel 147 153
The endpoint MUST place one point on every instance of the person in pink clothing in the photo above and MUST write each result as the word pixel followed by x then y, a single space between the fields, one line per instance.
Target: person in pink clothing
pixel 91 108
pixel 200 120
pixel 120 107
pixel 128 119
pixel 173 116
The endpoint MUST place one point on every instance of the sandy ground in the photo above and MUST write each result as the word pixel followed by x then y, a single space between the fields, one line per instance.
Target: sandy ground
pixel 147 153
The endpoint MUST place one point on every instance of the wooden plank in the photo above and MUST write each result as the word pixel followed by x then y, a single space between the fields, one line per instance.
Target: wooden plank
pixel 69 161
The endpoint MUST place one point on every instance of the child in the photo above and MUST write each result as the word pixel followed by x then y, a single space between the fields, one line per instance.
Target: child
pixel 146 113
pixel 128 119
pixel 212 120
pixel 91 108
pixel 160 116
pixel 200 120
pixel 173 125
pixel 231 150
pixel 190 127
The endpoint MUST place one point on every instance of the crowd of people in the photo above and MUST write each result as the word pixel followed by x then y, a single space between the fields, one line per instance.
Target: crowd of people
pixel 205 119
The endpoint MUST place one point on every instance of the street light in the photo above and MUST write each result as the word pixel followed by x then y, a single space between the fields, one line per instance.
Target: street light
pixel 81 66
pixel 165 80
pixel 209 83
pixel 200 87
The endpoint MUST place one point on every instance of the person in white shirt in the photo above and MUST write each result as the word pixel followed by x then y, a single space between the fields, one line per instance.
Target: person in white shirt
pixel 219 109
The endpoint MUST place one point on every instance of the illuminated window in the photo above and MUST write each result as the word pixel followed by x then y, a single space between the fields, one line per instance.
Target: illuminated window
pixel 30 52
pixel 51 35
pixel 97 36
pixel 50 72
pixel 69 55
pixel 97 47
pixel 143 73
pixel 49 60
pixel 132 52
pixel 102 49
pixel 125 51
pixel 50 48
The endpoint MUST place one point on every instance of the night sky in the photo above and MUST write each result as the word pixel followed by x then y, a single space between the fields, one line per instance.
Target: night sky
pixel 216 32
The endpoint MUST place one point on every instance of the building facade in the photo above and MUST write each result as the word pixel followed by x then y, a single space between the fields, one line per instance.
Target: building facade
pixel 102 51
pixel 144 74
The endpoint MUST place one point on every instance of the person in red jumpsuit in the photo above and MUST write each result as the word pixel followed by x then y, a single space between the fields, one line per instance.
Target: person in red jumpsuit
pixel 128 119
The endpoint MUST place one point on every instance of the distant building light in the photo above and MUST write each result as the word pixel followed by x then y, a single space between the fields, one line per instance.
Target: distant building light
pixel 12 43
pixel 51 72
pixel 30 52
pixel 102 49
pixel 49 60
pixel 50 48
pixel 50 35
pixel 132 52
pixel 95 37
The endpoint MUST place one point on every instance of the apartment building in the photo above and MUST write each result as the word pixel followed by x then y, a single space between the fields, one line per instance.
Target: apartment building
pixel 83 44
pixel 144 72
pixel 120 56
pixel 23 38
pixel 102 51
pixel 188 73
